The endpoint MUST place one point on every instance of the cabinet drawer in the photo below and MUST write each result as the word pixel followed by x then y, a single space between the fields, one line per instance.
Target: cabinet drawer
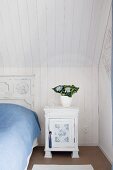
pixel 62 132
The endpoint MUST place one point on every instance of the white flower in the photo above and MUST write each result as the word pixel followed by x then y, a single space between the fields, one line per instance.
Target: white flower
pixel 59 88
pixel 67 89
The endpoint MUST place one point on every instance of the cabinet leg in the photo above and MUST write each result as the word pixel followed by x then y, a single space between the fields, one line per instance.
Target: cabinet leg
pixel 75 154
pixel 48 154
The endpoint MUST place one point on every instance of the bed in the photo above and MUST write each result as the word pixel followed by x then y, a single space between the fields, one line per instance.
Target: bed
pixel 19 124
pixel 19 127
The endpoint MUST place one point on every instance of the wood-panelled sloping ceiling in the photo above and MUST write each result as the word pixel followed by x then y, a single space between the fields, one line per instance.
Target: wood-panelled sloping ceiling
pixel 52 32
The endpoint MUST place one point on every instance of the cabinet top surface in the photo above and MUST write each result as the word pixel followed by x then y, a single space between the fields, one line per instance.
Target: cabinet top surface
pixel 60 108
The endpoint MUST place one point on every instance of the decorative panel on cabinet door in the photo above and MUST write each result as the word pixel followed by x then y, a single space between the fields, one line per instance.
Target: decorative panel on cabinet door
pixel 62 132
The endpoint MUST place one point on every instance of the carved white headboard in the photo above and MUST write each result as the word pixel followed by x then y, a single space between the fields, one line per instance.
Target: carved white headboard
pixel 18 90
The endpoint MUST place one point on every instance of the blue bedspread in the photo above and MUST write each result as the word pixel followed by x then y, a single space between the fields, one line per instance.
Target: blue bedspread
pixel 19 127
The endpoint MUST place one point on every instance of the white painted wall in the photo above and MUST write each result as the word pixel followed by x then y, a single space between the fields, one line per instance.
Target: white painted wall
pixel 51 32
pixel 86 99
pixel 105 101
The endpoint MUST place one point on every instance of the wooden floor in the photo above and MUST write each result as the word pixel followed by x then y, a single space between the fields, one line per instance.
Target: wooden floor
pixel 88 155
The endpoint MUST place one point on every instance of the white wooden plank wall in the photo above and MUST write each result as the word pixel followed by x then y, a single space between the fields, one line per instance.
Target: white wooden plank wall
pixel 105 100
pixel 52 32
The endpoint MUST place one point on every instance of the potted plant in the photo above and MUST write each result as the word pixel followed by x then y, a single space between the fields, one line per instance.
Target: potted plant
pixel 66 91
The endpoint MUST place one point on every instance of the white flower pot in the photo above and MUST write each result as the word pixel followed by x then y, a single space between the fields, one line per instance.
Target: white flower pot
pixel 66 101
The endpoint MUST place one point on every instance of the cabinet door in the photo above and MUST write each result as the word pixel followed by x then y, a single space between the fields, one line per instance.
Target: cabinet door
pixel 62 132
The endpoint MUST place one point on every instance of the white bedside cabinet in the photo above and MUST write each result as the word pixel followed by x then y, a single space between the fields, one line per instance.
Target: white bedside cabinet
pixel 61 130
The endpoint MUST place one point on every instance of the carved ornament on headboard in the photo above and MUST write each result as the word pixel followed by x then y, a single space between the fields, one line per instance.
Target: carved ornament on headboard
pixel 17 88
